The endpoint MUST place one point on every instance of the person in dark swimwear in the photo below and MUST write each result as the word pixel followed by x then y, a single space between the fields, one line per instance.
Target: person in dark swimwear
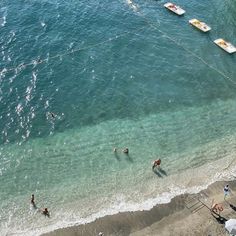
pixel 52 115
pixel 126 151
pixel 32 201
pixel 156 163
pixel 45 212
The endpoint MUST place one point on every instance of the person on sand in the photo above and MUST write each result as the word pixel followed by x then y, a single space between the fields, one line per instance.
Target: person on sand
pixel 45 212
pixel 156 163
pixel 126 151
pixel 101 234
pixel 216 207
pixel 226 190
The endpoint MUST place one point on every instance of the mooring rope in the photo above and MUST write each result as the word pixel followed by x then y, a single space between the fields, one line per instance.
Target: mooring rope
pixel 65 53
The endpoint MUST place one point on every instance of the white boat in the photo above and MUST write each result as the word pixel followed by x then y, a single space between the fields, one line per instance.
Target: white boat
pixel 200 25
pixel 174 8
pixel 228 47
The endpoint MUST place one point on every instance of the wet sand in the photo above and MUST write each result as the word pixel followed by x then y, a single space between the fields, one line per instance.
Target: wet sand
pixel 185 215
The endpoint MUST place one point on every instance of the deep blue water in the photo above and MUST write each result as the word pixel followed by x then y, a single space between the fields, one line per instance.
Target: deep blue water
pixel 114 73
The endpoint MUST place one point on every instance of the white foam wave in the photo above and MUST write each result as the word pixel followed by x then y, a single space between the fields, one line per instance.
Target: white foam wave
pixel 43 24
pixel 132 5
pixel 3 21
pixel 3 12
pixel 19 109
pixel 122 205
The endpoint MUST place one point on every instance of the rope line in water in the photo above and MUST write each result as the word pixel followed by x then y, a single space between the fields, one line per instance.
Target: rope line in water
pixel 136 9
pixel 62 54
pixel 196 56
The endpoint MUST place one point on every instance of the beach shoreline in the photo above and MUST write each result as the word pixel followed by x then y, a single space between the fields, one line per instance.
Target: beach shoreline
pixel 177 217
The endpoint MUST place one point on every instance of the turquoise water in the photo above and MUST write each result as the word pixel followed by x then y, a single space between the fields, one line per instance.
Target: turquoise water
pixel 116 74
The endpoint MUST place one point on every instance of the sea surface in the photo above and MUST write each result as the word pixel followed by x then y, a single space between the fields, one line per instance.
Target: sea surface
pixel 120 73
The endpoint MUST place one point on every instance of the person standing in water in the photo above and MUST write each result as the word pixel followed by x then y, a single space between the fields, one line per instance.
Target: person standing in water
pixel 45 212
pixel 32 201
pixel 226 190
pixel 156 163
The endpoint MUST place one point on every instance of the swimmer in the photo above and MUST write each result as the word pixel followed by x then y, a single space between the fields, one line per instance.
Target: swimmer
pixel 51 114
pixel 126 150
pixel 46 212
pixel 39 61
pixel 156 163
pixel 115 149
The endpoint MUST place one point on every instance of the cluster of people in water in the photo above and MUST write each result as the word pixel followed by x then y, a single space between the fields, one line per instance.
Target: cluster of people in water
pixel 44 211
pixel 156 163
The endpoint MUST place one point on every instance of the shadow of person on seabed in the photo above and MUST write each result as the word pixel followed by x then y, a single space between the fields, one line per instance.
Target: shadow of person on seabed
pixel 159 172
pixel 162 171
pixel 117 156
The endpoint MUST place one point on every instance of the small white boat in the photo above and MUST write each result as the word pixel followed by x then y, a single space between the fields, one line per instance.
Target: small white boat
pixel 200 25
pixel 174 8
pixel 228 47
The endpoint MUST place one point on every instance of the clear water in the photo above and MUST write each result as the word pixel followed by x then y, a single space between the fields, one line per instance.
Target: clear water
pixel 113 79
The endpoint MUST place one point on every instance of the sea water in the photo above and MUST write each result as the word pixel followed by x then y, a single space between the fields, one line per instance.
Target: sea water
pixel 114 74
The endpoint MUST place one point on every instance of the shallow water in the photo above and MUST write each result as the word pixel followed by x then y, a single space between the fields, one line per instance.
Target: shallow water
pixel 115 74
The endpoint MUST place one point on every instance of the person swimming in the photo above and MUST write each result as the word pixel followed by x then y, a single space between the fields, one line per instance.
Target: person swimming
pixel 52 115
pixel 126 151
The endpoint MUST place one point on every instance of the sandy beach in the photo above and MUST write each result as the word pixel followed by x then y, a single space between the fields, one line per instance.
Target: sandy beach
pixel 187 214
